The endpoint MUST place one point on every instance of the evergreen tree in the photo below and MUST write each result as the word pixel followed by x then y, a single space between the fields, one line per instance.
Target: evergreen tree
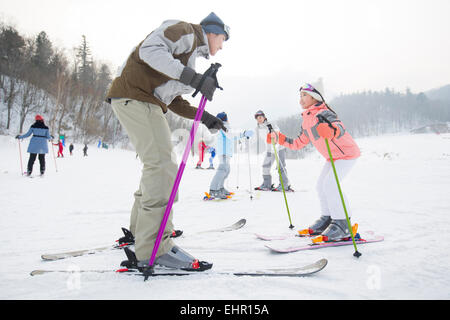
pixel 11 48
pixel 43 52
pixel 85 70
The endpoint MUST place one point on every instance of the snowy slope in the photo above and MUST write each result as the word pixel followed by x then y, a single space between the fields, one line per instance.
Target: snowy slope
pixel 399 189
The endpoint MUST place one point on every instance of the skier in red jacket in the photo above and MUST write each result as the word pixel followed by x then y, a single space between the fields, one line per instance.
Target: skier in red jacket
pixel 60 149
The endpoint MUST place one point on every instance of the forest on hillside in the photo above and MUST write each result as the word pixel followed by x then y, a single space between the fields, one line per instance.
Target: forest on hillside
pixel 69 89
pixel 374 113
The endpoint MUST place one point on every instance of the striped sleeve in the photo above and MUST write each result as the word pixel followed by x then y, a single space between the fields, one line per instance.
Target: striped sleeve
pixel 295 144
pixel 332 117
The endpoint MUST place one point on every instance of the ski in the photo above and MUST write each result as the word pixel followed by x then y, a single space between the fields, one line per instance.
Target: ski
pixel 279 236
pixel 304 233
pixel 300 271
pixel 77 253
pixel 235 226
pixel 69 254
pixel 312 246
pixel 281 190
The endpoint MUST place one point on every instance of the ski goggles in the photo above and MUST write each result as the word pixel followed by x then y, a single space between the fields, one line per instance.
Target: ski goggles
pixel 308 87
pixel 227 30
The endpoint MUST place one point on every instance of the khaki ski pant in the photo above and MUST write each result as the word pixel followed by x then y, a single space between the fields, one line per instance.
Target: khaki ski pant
pixel 149 133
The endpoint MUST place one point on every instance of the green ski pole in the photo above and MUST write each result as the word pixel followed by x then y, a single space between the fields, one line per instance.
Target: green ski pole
pixel 281 178
pixel 357 254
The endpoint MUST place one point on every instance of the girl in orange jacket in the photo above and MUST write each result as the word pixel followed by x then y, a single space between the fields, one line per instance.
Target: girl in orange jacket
pixel 315 128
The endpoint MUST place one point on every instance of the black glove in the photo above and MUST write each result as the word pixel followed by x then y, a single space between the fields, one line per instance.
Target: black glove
pixel 211 122
pixel 191 78
pixel 18 136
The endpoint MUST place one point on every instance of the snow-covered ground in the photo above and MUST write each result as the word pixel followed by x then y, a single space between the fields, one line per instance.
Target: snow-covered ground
pixel 399 189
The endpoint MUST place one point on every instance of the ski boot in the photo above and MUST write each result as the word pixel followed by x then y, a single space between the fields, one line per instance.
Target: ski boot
pixel 226 192
pixel 176 258
pixel 264 188
pixel 280 188
pixel 267 184
pixel 198 167
pixel 317 227
pixel 217 194
pixel 337 230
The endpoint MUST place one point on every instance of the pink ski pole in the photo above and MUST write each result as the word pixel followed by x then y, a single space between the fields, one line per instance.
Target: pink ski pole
pixel 198 116
pixel 20 153
pixel 53 152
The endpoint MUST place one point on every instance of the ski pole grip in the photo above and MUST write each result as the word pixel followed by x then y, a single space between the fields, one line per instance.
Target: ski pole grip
pixel 211 72
pixel 269 126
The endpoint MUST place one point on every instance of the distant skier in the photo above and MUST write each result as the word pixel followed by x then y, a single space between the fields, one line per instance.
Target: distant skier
pixel 344 150
pixel 38 144
pixel 269 158
pixel 212 154
pixel 60 149
pixel 201 154
pixel 85 149
pixel 71 148
pixel 224 147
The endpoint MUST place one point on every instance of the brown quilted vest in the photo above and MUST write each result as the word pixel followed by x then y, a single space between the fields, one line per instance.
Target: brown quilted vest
pixel 138 80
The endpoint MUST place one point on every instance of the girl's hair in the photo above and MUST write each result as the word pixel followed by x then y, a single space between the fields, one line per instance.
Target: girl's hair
pixel 329 108
pixel 323 100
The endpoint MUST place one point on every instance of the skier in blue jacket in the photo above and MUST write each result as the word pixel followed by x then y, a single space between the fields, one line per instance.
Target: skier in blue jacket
pixel 225 150
pixel 38 143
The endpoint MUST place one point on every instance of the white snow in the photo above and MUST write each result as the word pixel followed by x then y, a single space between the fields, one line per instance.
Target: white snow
pixel 399 189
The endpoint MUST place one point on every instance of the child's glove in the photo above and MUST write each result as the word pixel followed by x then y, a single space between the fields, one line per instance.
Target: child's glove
pixel 324 130
pixel 277 136
pixel 248 133
pixel 270 136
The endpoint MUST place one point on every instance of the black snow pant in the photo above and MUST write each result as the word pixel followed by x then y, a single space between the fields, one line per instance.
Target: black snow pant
pixel 41 162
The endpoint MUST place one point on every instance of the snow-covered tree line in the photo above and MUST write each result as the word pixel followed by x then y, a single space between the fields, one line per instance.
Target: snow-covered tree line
pixel 379 112
pixel 69 90
pixel 37 77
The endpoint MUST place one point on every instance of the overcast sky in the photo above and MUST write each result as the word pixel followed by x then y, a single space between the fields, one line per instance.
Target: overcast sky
pixel 275 46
